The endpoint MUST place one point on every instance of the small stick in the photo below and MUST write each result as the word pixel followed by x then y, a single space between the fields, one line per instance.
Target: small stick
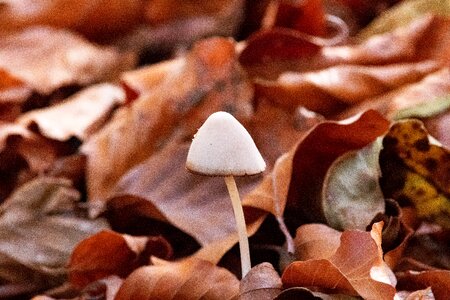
pixel 240 222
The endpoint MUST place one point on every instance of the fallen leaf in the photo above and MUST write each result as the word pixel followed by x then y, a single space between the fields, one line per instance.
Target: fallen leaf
pixel 186 279
pixel 170 191
pixel 66 59
pixel 39 230
pixel 351 194
pixel 78 116
pixel 357 257
pixel 261 282
pixel 211 80
pixel 109 253
pixel 415 170
pixel 315 153
pixel 316 241
pixel 425 294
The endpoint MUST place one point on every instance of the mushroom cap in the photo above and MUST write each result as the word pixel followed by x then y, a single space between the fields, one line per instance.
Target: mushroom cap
pixel 223 147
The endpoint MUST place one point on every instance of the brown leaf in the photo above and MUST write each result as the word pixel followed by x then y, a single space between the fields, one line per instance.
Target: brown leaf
pixel 110 253
pixel 262 282
pixel 316 152
pixel 39 230
pixel 352 269
pixel 78 116
pixel 277 44
pixel 425 294
pixel 211 80
pixel 190 202
pixel 64 59
pixel 326 90
pixel 316 241
pixel 438 280
pixel 186 279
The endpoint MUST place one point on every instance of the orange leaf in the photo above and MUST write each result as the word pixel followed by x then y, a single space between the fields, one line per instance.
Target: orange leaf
pixel 186 279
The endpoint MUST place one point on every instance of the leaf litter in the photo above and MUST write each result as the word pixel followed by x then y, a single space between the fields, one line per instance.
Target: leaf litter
pixel 95 198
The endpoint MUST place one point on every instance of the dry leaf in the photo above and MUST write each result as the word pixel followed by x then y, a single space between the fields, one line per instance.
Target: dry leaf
pixel 39 230
pixel 316 241
pixel 198 205
pixel 210 80
pixel 109 253
pixel 186 279
pixel 261 282
pixel 358 257
pixel 78 116
pixel 416 171
pixel 65 59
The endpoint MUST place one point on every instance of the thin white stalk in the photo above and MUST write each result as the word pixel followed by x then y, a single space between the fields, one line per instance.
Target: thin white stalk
pixel 240 222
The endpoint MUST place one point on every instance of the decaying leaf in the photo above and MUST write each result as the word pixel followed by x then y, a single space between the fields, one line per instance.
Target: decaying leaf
pixel 351 194
pixel 65 59
pixel 416 170
pixel 82 113
pixel 109 253
pixel 358 257
pixel 186 279
pixel 39 231
pixel 262 282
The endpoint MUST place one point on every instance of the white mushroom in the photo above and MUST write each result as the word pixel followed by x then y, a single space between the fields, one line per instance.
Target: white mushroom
pixel 223 147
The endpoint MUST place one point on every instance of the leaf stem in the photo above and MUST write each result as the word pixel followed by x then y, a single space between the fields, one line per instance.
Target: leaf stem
pixel 240 222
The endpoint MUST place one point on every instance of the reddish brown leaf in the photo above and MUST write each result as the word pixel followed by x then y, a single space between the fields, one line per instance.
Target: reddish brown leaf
pixel 209 80
pixel 277 44
pixel 187 279
pixel 316 241
pixel 109 253
pixel 353 268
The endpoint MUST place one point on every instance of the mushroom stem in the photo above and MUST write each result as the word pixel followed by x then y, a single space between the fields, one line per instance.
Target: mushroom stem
pixel 240 222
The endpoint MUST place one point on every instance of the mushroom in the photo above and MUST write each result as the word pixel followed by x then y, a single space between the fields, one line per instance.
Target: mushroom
pixel 223 147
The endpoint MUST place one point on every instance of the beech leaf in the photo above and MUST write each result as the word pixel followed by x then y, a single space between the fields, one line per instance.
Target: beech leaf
pixel 186 279
pixel 358 255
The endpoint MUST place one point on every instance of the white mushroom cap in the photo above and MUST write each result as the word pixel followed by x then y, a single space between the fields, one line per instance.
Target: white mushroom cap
pixel 223 147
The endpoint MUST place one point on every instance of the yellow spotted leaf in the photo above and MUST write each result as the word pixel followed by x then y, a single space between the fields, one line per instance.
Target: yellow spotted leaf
pixel 416 171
